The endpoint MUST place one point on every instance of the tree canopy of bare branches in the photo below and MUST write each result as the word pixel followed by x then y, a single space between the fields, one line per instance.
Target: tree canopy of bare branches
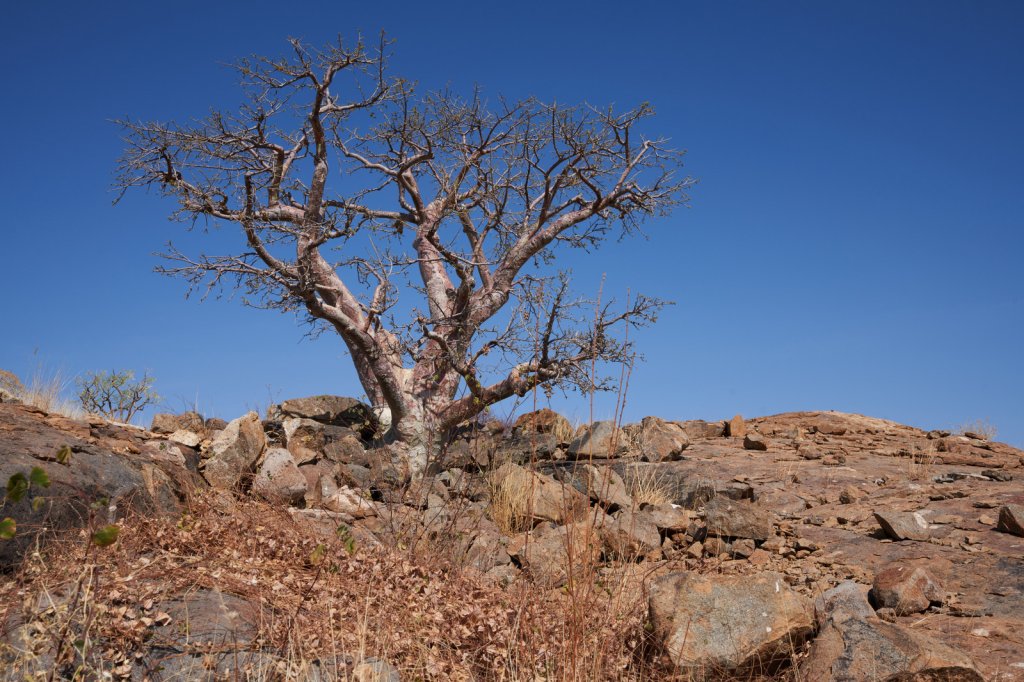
pixel 423 229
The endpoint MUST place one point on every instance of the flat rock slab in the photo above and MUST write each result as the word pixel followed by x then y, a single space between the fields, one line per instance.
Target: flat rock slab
pixel 904 525
pixel 731 519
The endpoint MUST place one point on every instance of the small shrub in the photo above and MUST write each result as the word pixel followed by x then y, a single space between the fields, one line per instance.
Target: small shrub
pixel 116 395
pixel 10 384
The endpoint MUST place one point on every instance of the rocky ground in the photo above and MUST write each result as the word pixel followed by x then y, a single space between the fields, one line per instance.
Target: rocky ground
pixel 804 546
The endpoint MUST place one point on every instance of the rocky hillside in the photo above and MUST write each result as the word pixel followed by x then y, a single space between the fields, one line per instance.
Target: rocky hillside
pixel 803 546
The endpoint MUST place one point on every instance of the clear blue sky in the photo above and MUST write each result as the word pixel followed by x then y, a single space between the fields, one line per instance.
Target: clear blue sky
pixel 855 242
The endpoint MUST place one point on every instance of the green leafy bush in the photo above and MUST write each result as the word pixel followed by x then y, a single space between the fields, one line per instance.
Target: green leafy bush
pixel 116 395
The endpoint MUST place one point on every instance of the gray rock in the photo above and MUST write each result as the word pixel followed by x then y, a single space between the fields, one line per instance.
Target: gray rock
pixel 234 452
pixel 543 498
pixel 600 484
pixel 279 479
pixel 755 441
pixel 189 439
pixel 329 409
pixel 125 483
pixel 600 439
pixel 904 525
pixel 728 623
pixel 659 440
pixel 730 519
pixel 631 535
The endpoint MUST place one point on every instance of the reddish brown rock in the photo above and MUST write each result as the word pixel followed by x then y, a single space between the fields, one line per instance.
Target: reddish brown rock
pixel 1011 519
pixel 906 589
pixel 736 427
pixel 545 421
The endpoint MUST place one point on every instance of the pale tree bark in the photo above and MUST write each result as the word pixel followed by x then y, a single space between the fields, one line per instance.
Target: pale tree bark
pixel 353 195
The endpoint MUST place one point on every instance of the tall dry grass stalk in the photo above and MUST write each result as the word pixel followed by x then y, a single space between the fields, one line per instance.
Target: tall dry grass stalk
pixel 982 428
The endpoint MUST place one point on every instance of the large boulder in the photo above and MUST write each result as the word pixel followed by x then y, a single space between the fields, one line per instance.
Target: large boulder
pixel 82 470
pixel 632 535
pixel 731 519
pixel 659 440
pixel 853 644
pixel 536 497
pixel 601 484
pixel 329 409
pixel 234 452
pixel 732 624
pixel 553 553
pixel 600 439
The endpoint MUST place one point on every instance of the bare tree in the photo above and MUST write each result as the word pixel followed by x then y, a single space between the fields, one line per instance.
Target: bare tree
pixel 351 191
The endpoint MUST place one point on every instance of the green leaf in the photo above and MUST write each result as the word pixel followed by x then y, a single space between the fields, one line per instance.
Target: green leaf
pixel 17 486
pixel 105 536
pixel 8 528
pixel 37 503
pixel 64 455
pixel 316 557
pixel 39 477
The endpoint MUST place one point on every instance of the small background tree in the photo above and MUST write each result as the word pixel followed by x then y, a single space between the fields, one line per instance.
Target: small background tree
pixel 355 196
pixel 116 395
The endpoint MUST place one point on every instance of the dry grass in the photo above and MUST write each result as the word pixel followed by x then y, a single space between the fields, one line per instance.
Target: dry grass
pixel 47 390
pixel 981 428
pixel 509 492
pixel 335 604
pixel 647 486
pixel 919 465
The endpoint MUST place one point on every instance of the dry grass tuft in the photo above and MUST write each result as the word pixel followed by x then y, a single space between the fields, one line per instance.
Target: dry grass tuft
pixel 981 428
pixel 47 390
pixel 509 499
pixel 647 486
